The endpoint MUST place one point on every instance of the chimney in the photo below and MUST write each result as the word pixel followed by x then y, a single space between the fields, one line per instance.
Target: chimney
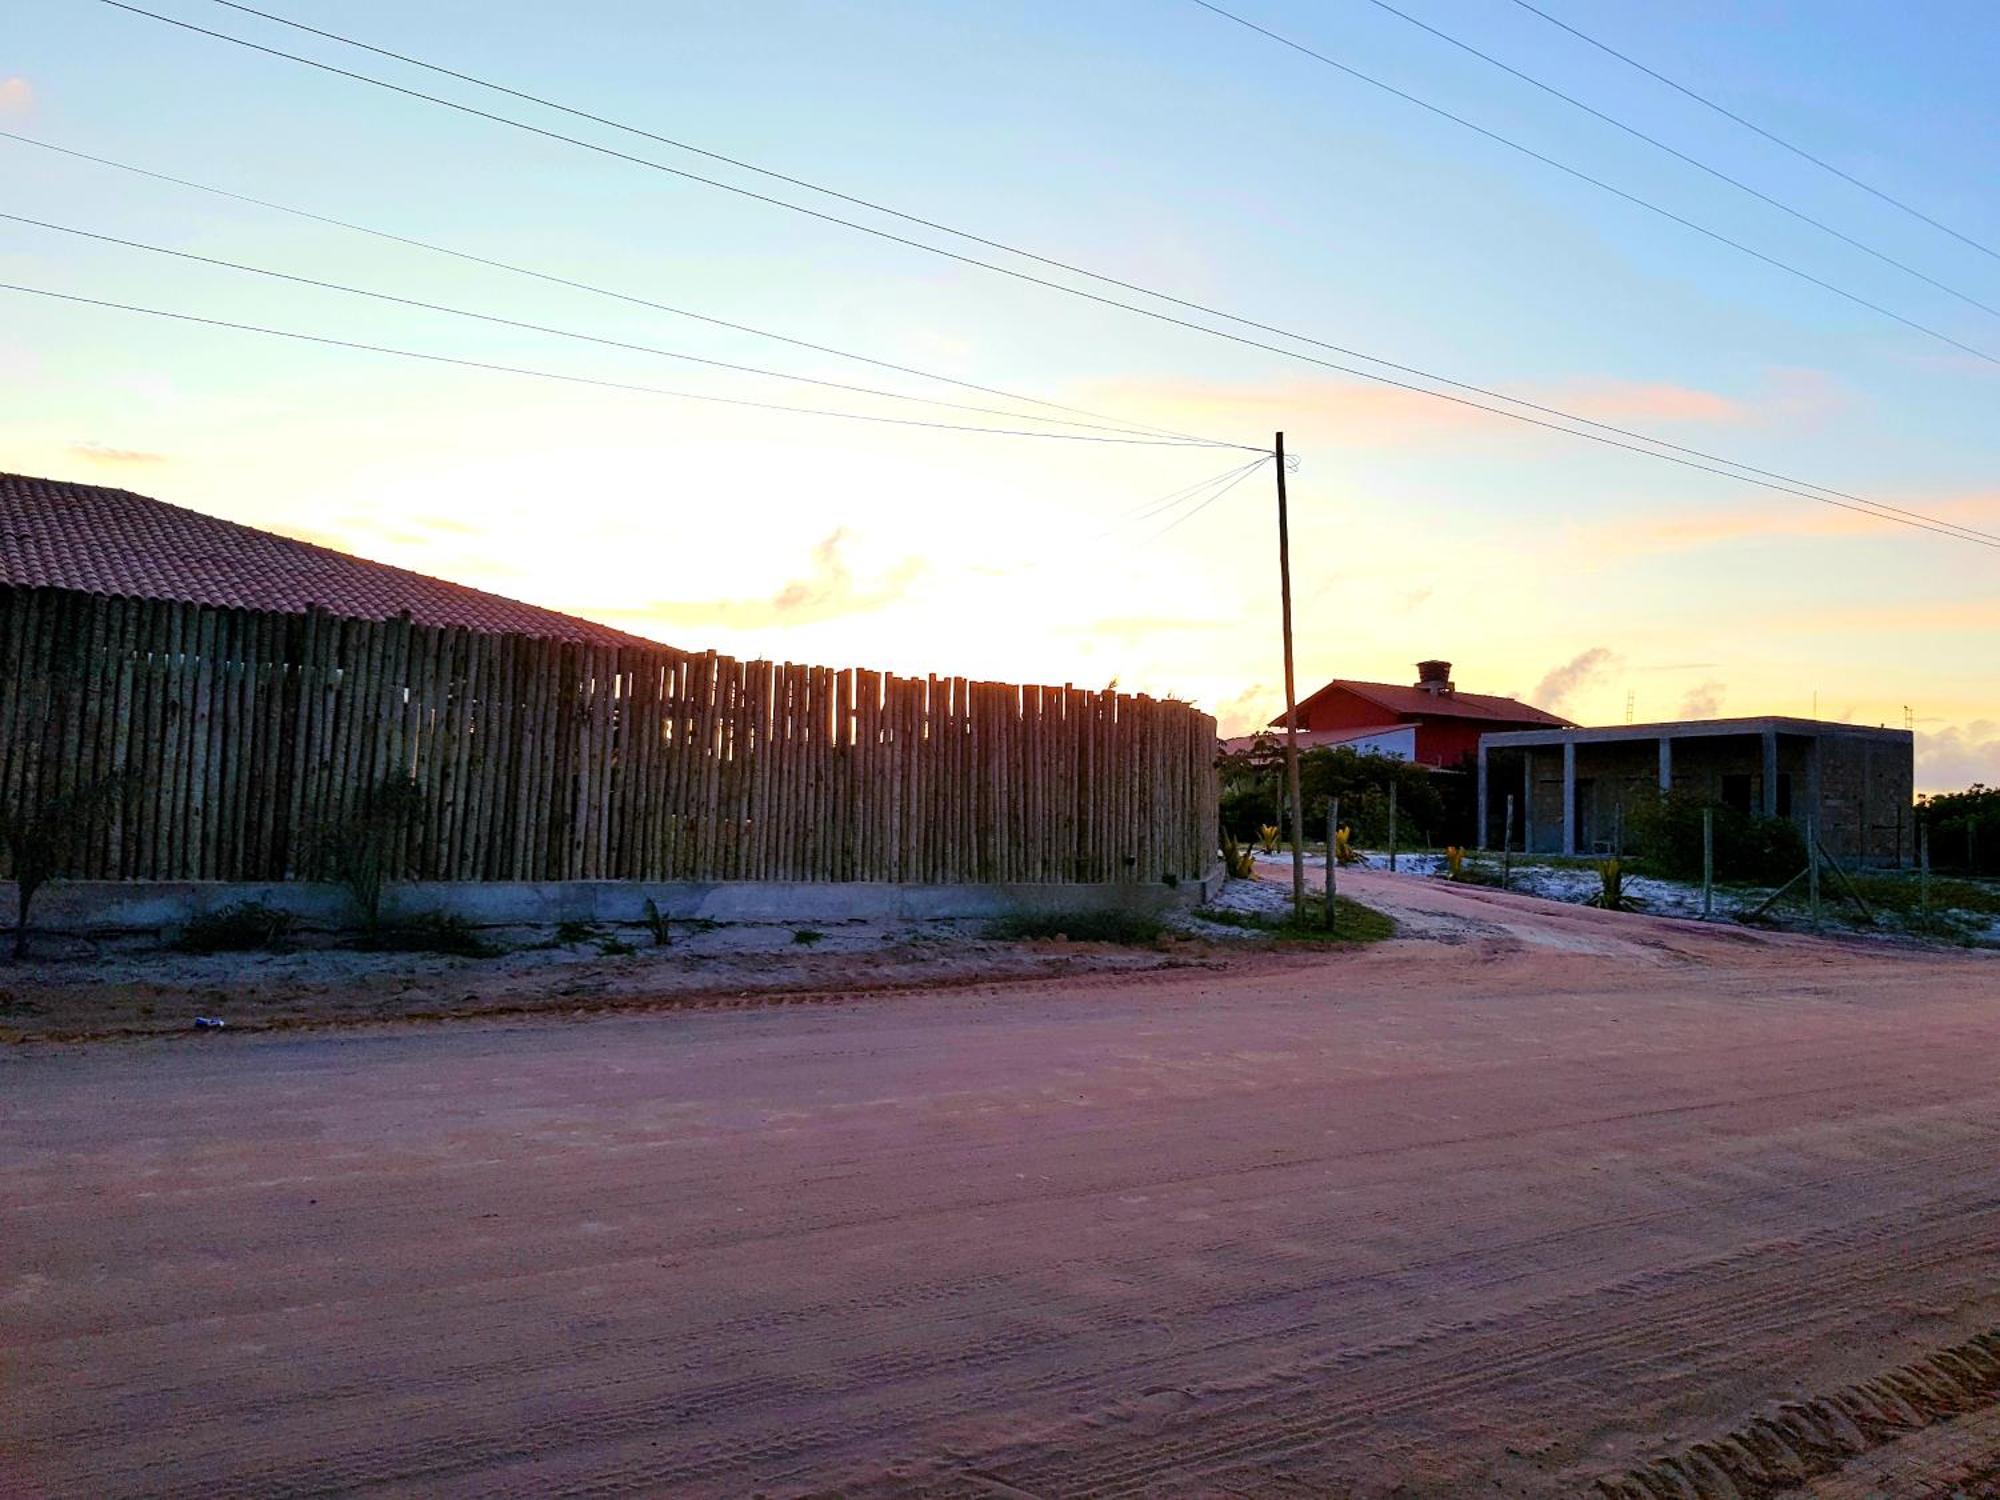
pixel 1434 677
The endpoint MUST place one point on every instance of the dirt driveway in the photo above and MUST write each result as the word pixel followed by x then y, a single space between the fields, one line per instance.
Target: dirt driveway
pixel 1496 1210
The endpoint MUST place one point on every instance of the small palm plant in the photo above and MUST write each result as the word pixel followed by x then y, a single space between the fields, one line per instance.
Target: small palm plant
pixel 1454 862
pixel 1344 852
pixel 1239 863
pixel 1267 838
pixel 1611 892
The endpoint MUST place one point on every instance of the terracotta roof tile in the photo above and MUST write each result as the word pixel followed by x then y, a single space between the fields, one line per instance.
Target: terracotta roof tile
pixel 103 541
pixel 1416 702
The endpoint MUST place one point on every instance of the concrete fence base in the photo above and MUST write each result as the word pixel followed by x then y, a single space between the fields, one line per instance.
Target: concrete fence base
pixel 84 907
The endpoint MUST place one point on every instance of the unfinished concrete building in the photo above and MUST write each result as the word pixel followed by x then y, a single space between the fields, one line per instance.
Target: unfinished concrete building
pixel 1571 787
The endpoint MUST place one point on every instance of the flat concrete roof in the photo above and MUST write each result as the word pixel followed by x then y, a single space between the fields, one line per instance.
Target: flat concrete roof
pixel 1682 729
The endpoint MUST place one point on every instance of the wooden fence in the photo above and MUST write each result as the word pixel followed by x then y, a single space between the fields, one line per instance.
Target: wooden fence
pixel 243 740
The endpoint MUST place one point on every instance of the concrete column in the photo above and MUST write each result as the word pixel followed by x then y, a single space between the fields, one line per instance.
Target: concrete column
pixel 1770 773
pixel 1666 764
pixel 1528 802
pixel 1484 841
pixel 1569 796
pixel 1812 807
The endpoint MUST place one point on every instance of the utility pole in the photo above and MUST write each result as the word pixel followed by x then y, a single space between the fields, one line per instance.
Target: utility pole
pixel 1291 697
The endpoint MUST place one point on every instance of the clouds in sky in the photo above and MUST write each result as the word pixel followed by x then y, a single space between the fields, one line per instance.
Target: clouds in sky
pixel 1703 701
pixel 1565 681
pixel 99 453
pixel 828 589
pixel 1952 758
pixel 1379 415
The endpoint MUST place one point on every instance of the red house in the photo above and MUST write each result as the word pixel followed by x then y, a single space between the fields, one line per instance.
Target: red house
pixel 1447 723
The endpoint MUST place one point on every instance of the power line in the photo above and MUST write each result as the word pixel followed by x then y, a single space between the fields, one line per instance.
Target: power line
pixel 1188 515
pixel 1679 155
pixel 1582 176
pixel 1767 478
pixel 589 380
pixel 1756 129
pixel 582 286
pixel 1146 509
pixel 587 338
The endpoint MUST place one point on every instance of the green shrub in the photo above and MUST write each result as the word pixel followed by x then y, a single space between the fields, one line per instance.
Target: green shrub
pixel 242 927
pixel 570 933
pixel 1611 886
pixel 365 850
pixel 41 836
pixel 1964 829
pixel 1665 832
pixel 805 937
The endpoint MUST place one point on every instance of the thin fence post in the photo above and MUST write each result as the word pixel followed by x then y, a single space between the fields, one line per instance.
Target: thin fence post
pixel 1332 864
pixel 1812 867
pixel 1924 869
pixel 1392 825
pixel 1507 845
pixel 1708 862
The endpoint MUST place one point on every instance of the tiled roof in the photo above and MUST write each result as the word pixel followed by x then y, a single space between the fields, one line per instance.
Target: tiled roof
pixel 1418 703
pixel 103 541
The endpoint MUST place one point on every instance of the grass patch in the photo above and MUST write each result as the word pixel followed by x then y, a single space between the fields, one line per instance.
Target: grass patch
pixel 1077 927
pixel 242 927
pixel 1903 893
pixel 427 932
pixel 805 937
pixel 1353 923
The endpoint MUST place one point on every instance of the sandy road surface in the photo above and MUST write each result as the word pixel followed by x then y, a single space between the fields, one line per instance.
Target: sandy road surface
pixel 1488 1212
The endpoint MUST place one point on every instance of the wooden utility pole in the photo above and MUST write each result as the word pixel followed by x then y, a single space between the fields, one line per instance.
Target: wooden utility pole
pixel 1332 864
pixel 1291 698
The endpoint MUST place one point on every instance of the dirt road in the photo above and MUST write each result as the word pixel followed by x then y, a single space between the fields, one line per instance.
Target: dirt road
pixel 1493 1211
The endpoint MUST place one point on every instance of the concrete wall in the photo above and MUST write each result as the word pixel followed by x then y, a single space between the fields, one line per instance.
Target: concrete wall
pixel 85 907
pixel 1858 787
pixel 1866 789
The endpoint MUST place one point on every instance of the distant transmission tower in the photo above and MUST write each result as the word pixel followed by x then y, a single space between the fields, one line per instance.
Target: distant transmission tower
pixel 1628 705
pixel 1909 718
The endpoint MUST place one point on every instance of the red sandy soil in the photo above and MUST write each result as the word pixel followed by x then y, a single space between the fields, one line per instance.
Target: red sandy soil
pixel 1490 1211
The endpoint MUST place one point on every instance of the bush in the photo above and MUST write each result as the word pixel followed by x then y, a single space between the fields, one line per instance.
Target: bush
pixel 1964 829
pixel 1077 927
pixel 1666 833
pixel 364 851
pixel 242 927
pixel 41 835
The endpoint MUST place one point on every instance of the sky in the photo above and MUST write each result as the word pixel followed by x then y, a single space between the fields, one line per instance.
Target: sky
pixel 1150 140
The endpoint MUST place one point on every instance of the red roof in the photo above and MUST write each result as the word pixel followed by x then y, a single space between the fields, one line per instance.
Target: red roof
pixel 1420 703
pixel 102 541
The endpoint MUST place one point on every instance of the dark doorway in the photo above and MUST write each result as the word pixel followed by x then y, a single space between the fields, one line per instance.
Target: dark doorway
pixel 1736 790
